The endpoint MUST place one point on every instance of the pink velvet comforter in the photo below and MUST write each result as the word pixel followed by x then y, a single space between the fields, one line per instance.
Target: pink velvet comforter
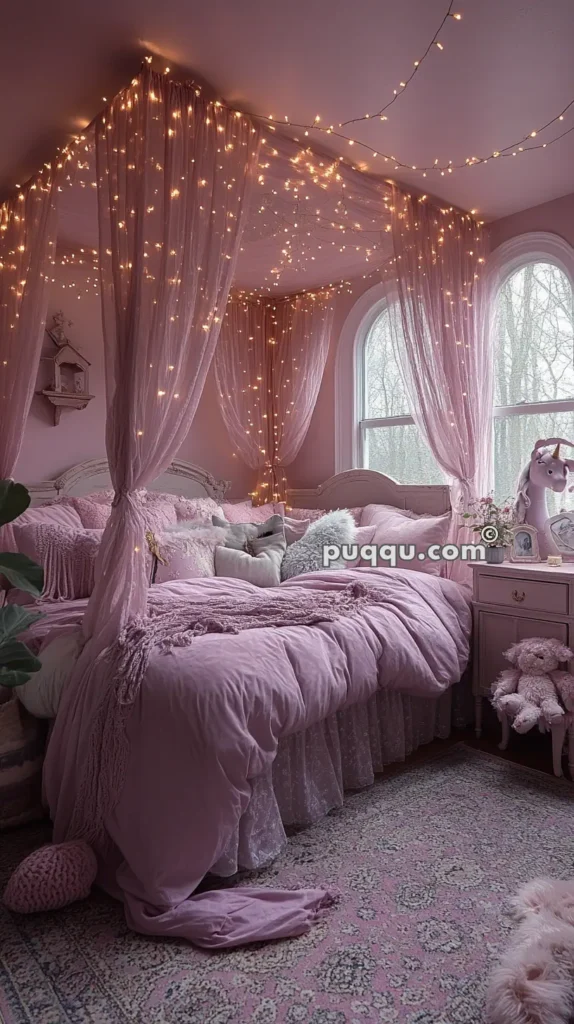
pixel 208 719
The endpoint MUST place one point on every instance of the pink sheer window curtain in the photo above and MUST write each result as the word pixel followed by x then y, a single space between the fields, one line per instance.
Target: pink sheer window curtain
pixel 174 173
pixel 28 224
pixel 442 333
pixel 269 365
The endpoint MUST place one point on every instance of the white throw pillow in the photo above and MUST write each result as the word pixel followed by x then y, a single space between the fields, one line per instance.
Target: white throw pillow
pixel 41 694
pixel 260 565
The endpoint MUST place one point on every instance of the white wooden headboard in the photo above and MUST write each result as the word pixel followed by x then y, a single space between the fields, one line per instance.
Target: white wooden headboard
pixel 180 478
pixel 366 487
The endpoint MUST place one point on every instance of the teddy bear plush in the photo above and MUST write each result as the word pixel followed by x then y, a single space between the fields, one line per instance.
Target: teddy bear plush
pixel 534 690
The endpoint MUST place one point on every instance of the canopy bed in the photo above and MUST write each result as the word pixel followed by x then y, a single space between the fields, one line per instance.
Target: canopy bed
pixel 278 722
pixel 348 669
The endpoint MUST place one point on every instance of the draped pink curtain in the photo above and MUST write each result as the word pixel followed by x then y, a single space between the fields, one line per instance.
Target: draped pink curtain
pixel 173 173
pixel 443 335
pixel 269 365
pixel 173 177
pixel 28 224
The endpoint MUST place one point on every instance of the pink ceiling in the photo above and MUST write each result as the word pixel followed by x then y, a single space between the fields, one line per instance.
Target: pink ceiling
pixel 506 68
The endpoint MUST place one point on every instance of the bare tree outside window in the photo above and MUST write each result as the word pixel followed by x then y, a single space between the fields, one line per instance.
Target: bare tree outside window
pixel 391 441
pixel 534 370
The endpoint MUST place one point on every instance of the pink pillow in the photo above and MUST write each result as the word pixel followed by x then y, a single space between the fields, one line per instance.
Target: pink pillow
pixel 93 515
pixel 363 535
pixel 68 557
pixel 197 508
pixel 190 554
pixel 399 526
pixel 243 512
pixel 295 529
pixel 311 514
pixel 158 512
pixel 57 515
pixel 317 513
pixel 52 877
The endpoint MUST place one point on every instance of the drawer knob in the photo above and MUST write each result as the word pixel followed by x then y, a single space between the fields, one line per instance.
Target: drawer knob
pixel 516 596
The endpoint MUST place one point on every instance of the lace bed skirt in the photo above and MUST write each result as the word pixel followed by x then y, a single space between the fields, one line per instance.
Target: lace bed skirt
pixel 313 769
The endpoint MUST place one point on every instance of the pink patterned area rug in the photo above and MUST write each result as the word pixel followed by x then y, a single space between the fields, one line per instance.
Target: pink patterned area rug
pixel 425 860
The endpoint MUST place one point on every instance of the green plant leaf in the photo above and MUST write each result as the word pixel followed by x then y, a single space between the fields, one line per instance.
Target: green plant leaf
pixel 11 677
pixel 14 499
pixel 15 656
pixel 14 620
pixel 22 572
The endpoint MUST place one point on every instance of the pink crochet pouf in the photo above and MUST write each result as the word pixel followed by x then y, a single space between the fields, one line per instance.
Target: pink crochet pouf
pixel 51 877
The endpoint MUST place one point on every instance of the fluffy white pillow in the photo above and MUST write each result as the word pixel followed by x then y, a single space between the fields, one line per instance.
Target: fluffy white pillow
pixel 41 694
pixel 306 555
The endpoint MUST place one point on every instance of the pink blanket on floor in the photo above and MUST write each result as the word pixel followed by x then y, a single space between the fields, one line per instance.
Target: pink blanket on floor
pixel 207 719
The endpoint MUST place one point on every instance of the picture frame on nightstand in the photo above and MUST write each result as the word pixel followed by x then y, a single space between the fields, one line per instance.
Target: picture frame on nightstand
pixel 559 530
pixel 524 545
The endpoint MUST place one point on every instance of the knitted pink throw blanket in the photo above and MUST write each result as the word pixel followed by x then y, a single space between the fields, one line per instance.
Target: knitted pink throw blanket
pixel 178 623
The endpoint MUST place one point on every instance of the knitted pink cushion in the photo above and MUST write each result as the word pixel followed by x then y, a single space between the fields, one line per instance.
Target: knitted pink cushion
pixel 93 514
pixel 68 557
pixel 52 877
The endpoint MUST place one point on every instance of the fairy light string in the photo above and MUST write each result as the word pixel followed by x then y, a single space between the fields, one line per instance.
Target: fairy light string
pixel 435 41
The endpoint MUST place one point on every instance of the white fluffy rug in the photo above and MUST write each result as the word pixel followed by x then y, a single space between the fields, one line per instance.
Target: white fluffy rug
pixel 534 983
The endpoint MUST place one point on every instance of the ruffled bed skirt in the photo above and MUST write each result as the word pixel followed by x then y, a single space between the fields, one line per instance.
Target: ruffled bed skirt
pixel 313 769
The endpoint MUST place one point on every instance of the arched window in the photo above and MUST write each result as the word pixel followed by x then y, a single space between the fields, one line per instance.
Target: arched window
pixel 389 440
pixel 533 362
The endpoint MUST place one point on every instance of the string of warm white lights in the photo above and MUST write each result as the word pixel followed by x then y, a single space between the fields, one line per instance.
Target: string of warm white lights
pixel 510 149
pixel 435 41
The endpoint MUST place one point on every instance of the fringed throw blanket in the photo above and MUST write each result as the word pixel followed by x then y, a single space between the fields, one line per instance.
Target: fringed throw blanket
pixel 178 625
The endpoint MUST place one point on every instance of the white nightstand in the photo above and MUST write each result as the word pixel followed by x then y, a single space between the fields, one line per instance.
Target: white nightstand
pixel 513 601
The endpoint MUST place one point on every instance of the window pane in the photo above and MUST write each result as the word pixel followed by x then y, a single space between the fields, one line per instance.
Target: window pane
pixel 384 389
pixel 514 438
pixel 535 337
pixel 401 453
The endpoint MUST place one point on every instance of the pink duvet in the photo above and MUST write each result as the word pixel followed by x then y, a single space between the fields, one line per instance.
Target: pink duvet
pixel 208 719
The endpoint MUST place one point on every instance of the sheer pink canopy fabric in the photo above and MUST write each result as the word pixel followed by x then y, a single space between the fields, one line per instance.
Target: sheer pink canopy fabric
pixel 173 180
pixel 28 224
pixel 269 365
pixel 441 326
pixel 174 173
pixel 173 177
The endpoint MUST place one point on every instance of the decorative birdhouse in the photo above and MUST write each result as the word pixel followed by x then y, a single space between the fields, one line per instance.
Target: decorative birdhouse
pixel 70 383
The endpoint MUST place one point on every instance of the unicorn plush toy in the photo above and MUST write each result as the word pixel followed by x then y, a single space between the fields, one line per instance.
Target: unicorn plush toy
pixel 545 471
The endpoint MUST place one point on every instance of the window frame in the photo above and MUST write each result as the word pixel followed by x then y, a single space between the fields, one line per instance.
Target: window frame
pixel 365 422
pixel 350 423
pixel 506 260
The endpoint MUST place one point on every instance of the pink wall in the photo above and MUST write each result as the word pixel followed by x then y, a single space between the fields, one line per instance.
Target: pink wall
pixel 556 216
pixel 48 450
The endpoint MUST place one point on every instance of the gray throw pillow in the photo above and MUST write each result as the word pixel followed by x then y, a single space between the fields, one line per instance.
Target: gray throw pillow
pixel 259 564
pixel 306 555
pixel 239 534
